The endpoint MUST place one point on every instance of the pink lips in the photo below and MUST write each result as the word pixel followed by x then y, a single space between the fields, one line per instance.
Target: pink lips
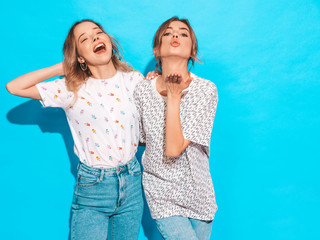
pixel 175 43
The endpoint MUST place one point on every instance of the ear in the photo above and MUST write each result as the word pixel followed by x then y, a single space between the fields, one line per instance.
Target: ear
pixel 81 60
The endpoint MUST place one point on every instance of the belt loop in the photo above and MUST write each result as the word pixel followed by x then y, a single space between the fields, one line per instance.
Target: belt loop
pixel 129 165
pixel 101 175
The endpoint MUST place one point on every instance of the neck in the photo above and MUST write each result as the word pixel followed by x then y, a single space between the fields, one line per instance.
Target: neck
pixel 103 71
pixel 175 65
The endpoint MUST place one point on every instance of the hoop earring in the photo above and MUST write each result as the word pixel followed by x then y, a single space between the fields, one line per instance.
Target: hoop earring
pixel 113 53
pixel 83 66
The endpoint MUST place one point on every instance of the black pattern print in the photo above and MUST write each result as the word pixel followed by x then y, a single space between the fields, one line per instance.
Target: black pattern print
pixel 178 186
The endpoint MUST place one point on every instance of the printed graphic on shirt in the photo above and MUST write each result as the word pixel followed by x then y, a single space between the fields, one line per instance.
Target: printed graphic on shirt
pixel 178 186
pixel 101 118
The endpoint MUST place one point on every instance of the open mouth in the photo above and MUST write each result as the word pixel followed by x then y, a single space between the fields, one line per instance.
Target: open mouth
pixel 100 48
pixel 175 43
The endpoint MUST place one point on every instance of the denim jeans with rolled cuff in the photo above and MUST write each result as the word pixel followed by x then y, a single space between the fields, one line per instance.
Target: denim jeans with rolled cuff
pixel 107 203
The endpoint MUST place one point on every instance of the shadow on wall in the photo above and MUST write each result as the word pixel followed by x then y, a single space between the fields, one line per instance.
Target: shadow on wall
pixel 52 120
pixel 150 67
pixel 149 227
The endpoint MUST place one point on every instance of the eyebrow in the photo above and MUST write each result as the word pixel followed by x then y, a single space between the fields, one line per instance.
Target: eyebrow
pixel 182 28
pixel 84 33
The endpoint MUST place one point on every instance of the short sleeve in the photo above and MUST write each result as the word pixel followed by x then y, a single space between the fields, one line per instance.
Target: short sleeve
pixel 55 93
pixel 199 116
pixel 137 101
pixel 137 77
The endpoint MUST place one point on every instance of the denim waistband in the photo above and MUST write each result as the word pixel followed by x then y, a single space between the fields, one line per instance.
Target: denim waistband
pixel 109 171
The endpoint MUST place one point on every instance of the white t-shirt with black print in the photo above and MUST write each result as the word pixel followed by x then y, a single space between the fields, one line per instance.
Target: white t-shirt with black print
pixel 104 121
pixel 180 186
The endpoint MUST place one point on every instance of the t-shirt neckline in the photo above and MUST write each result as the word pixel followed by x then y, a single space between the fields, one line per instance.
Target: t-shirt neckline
pixel 105 79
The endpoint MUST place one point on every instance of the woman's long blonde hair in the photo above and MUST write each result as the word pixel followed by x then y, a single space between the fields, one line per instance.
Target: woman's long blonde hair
pixel 75 77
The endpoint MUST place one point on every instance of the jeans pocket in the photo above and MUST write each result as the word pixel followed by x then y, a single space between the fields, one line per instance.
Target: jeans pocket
pixel 86 179
pixel 135 170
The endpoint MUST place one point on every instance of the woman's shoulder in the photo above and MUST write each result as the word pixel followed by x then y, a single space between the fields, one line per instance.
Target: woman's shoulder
pixel 202 84
pixel 58 83
pixel 144 84
pixel 133 74
pixel 143 90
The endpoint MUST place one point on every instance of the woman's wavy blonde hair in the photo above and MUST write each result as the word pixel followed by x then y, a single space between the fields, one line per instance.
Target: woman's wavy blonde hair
pixel 157 41
pixel 75 77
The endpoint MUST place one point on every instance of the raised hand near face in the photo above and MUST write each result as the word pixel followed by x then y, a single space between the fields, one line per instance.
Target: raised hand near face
pixel 175 84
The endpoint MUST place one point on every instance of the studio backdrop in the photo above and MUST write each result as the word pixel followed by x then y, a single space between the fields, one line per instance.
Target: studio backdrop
pixel 263 56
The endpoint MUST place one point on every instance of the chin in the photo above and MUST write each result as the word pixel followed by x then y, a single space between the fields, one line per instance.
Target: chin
pixel 177 56
pixel 103 59
pixel 178 53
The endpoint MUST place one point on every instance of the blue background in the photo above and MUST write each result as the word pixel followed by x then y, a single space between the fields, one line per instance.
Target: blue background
pixel 264 57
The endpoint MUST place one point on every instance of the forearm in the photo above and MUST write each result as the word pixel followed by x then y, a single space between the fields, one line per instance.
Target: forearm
pixel 20 85
pixel 175 142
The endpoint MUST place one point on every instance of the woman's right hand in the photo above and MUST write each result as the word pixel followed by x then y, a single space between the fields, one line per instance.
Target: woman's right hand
pixel 151 75
pixel 175 84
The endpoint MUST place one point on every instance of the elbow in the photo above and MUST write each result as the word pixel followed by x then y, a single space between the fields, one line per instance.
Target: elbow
pixel 172 153
pixel 10 89
pixel 175 150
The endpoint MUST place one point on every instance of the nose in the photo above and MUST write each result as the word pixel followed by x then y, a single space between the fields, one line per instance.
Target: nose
pixel 95 38
pixel 175 35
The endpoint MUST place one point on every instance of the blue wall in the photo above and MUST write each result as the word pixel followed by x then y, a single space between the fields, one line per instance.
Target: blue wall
pixel 264 57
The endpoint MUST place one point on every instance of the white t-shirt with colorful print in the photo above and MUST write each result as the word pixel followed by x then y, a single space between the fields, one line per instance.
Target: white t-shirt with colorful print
pixel 104 121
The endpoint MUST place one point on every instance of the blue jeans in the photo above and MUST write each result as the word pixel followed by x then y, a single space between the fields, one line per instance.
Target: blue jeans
pixel 107 202
pixel 183 228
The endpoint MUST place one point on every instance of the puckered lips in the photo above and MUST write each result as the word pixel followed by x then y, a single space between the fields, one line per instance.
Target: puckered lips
pixel 99 48
pixel 175 43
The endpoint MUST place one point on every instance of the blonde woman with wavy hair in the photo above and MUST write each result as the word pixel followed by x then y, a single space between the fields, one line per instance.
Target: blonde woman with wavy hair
pixel 96 94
